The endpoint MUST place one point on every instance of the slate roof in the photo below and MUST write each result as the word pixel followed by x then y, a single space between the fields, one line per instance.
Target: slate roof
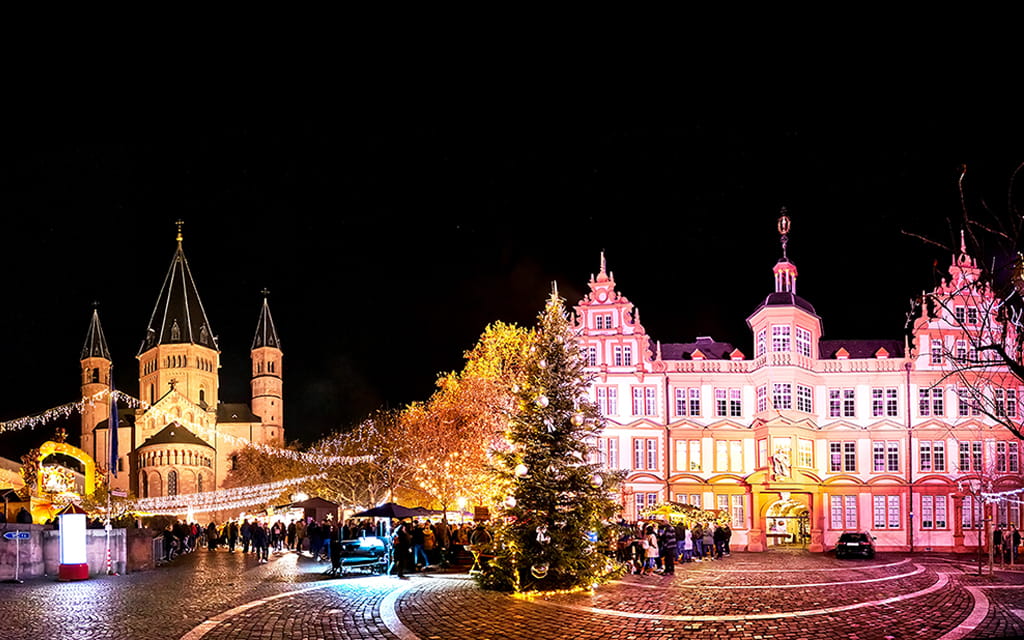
pixel 266 333
pixel 712 349
pixel 235 412
pixel 178 316
pixel 175 434
pixel 859 348
pixel 95 341
pixel 786 299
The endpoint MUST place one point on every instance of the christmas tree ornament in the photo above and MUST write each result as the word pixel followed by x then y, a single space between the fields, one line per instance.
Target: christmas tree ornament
pixel 510 502
pixel 577 419
pixel 596 480
pixel 542 401
pixel 542 363
pixel 542 535
pixel 521 470
pixel 540 570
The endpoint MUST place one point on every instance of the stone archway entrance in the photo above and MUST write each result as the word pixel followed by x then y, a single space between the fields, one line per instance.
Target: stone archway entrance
pixel 787 524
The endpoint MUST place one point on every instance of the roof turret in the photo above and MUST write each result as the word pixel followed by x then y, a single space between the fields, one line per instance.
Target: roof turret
pixel 178 316
pixel 785 275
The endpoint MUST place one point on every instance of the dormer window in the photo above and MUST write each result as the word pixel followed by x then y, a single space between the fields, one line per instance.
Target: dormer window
pixel 603 321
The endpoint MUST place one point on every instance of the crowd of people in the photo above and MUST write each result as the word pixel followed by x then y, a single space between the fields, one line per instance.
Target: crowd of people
pixel 655 547
pixel 418 543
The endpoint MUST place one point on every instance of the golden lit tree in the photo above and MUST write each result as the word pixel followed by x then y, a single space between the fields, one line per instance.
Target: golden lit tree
pixel 463 424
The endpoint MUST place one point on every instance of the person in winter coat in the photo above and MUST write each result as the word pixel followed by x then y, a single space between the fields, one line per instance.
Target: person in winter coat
pixel 708 542
pixel 667 540
pixel 650 546
pixel 719 537
pixel 261 541
pixel 697 535
pixel 687 546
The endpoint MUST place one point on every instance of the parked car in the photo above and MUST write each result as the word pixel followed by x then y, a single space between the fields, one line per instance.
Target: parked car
pixel 859 543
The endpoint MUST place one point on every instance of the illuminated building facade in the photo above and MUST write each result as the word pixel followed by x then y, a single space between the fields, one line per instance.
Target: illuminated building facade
pixel 179 437
pixel 810 437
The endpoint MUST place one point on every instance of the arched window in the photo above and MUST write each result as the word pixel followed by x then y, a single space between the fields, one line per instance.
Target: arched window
pixel 234 462
pixel 199 483
pixel 172 483
pixel 202 395
pixel 152 394
pixel 144 480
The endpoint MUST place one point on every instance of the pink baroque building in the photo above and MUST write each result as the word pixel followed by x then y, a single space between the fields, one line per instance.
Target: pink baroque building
pixel 806 438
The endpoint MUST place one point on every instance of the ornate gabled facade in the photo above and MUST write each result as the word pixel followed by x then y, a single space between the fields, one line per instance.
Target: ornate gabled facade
pixel 806 438
pixel 181 438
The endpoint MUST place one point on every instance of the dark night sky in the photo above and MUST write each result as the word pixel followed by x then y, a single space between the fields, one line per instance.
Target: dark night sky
pixel 388 250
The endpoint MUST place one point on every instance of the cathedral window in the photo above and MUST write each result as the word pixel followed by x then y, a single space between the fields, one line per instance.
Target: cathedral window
pixel 172 483
pixel 202 396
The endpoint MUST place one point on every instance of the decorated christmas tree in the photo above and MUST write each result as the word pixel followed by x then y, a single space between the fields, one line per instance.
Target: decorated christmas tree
pixel 550 531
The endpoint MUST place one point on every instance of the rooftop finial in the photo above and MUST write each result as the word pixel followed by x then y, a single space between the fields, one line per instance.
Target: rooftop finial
pixel 603 266
pixel 963 243
pixel 179 222
pixel 265 292
pixel 783 231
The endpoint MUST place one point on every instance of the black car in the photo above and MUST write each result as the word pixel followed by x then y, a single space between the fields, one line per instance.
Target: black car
pixel 856 544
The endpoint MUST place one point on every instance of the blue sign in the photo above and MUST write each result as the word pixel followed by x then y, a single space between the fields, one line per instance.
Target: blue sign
pixel 17 535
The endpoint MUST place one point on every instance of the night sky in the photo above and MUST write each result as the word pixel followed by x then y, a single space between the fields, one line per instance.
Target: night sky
pixel 387 250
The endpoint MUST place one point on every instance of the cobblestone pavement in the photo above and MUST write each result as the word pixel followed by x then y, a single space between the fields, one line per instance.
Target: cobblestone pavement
pixel 781 594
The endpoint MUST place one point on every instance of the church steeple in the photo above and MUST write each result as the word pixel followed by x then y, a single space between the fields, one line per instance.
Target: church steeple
pixel 180 351
pixel 96 366
pixel 178 316
pixel 267 382
pixel 95 341
pixel 266 333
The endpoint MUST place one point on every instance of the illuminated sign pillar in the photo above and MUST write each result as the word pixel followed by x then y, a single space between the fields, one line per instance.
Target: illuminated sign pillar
pixel 73 561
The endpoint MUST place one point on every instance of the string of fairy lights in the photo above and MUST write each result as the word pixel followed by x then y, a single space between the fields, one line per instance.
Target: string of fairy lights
pixel 65 410
pixel 222 499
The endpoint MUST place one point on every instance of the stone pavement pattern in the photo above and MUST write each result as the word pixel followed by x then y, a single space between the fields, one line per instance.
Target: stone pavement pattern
pixel 782 594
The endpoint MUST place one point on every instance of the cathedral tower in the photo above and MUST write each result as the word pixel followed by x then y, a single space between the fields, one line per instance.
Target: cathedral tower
pixel 96 366
pixel 266 377
pixel 179 353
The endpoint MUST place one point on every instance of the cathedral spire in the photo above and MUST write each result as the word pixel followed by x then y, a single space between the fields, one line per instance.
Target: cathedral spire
pixel 95 341
pixel 266 333
pixel 178 316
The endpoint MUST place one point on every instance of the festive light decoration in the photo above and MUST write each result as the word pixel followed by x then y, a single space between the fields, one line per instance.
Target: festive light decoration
pixel 65 410
pixel 56 413
pixel 217 500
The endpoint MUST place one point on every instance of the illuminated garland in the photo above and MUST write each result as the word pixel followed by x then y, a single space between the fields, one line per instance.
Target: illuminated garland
pixel 66 410
pixel 213 500
pixel 211 434
pixel 1002 494
pixel 63 411
pixel 227 506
